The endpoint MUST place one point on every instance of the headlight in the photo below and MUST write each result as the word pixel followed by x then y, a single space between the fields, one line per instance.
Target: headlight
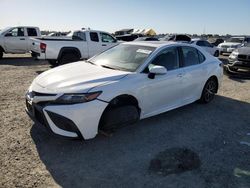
pixel 234 54
pixel 77 98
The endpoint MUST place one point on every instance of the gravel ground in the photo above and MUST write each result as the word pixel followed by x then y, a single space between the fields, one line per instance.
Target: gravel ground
pixel 31 157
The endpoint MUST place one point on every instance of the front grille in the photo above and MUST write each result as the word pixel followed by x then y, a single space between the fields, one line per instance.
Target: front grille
pixel 241 56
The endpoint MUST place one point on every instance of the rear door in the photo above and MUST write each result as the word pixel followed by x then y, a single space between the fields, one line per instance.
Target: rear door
pixel 32 33
pixel 15 41
pixel 194 75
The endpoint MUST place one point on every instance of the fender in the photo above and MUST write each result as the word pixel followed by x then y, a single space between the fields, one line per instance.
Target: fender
pixel 69 49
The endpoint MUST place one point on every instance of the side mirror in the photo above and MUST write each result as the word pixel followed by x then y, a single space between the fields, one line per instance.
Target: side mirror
pixel 8 35
pixel 156 70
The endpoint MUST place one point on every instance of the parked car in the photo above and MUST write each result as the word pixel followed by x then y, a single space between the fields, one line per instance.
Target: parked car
pixel 146 39
pixel 177 37
pixel 215 41
pixel 82 45
pixel 231 44
pixel 16 40
pixel 240 58
pixel 126 83
pixel 206 46
pixel 128 37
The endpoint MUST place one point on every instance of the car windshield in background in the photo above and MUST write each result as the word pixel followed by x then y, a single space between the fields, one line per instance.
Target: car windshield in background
pixel 247 45
pixel 238 40
pixel 123 57
pixel 2 31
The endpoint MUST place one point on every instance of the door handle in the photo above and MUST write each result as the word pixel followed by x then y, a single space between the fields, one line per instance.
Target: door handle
pixel 22 38
pixel 104 44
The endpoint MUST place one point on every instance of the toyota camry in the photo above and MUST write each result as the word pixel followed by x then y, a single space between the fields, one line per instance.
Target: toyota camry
pixel 122 85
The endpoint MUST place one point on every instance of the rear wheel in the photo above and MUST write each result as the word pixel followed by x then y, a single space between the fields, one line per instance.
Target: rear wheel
pixel 68 58
pixel 53 62
pixel 1 54
pixel 209 91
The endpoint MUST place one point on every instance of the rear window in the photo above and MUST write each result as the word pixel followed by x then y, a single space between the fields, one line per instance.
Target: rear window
pixel 31 32
pixel 94 37
pixel 79 36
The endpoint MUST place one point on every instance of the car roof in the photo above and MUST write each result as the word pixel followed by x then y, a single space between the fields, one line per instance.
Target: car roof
pixel 155 44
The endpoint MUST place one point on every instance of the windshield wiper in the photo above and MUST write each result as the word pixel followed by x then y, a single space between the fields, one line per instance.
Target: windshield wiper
pixel 90 62
pixel 108 67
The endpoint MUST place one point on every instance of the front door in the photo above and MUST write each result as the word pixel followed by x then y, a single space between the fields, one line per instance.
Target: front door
pixel 15 41
pixel 164 92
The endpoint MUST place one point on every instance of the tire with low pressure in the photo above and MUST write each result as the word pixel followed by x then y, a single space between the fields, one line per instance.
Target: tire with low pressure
pixel 119 116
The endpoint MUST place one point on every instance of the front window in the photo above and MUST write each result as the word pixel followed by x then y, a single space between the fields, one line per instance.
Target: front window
pixel 107 38
pixel 123 57
pixel 167 58
pixel 237 40
pixel 16 32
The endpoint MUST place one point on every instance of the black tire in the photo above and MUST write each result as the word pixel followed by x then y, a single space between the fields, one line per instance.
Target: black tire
pixel 68 58
pixel 118 117
pixel 209 91
pixel 1 54
pixel 216 54
pixel 53 63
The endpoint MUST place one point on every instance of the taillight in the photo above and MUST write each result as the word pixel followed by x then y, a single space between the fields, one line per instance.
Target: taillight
pixel 43 47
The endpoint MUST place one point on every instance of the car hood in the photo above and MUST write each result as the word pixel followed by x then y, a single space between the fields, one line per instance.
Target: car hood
pixel 244 50
pixel 75 77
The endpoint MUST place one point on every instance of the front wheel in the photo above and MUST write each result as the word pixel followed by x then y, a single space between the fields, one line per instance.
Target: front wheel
pixel 209 91
pixel 118 117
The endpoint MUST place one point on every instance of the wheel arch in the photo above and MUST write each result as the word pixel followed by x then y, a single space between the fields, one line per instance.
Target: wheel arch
pixel 65 50
pixel 120 100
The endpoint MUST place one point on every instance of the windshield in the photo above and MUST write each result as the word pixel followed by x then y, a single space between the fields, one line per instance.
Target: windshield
pixel 2 31
pixel 238 40
pixel 247 45
pixel 124 57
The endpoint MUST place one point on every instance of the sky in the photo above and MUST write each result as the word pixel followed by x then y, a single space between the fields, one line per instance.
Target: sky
pixel 164 16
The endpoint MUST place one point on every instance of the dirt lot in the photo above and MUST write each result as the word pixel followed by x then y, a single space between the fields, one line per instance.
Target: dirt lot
pixel 31 157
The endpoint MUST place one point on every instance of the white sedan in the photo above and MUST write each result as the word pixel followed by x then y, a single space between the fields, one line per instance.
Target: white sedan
pixel 126 83
pixel 213 50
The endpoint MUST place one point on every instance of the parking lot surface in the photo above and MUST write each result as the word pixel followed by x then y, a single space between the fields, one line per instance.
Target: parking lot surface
pixel 216 132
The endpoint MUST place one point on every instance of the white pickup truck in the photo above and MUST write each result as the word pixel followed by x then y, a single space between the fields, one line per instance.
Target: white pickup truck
pixel 16 40
pixel 83 44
